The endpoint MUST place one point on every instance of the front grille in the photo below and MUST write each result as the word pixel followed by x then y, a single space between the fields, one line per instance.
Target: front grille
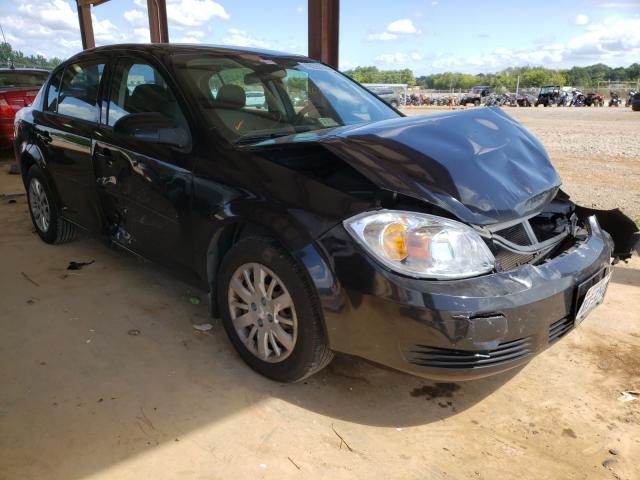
pixel 516 234
pixel 448 358
pixel 508 260
pixel 559 329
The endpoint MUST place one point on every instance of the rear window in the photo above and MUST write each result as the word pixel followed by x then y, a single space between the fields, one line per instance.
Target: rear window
pixel 22 79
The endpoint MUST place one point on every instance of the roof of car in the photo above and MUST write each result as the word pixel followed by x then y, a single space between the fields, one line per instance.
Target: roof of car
pixel 188 48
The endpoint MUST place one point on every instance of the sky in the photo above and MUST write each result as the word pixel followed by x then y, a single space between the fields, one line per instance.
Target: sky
pixel 428 36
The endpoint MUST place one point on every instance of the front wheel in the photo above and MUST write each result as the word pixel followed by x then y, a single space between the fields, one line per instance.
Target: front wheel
pixel 44 209
pixel 270 311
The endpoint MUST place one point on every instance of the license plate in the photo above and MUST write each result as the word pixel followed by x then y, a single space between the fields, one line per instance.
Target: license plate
pixel 593 297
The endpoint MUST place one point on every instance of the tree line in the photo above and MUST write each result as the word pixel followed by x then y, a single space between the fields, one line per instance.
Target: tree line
pixel 587 77
pixel 19 59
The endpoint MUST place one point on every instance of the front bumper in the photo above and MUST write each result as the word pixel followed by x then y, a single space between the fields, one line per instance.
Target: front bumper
pixel 451 330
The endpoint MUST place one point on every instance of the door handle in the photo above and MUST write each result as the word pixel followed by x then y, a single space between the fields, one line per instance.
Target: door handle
pixel 102 181
pixel 106 154
pixel 44 136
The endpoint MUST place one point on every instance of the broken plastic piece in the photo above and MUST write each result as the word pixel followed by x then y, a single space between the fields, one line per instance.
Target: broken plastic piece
pixel 203 327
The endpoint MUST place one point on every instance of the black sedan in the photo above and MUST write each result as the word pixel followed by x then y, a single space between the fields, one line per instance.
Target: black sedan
pixel 440 245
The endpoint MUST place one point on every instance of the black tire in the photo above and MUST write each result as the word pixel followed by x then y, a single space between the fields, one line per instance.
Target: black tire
pixel 394 104
pixel 635 107
pixel 59 230
pixel 310 352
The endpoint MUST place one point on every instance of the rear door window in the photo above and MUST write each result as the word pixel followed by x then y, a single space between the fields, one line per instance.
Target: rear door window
pixel 78 96
pixel 51 102
pixel 138 87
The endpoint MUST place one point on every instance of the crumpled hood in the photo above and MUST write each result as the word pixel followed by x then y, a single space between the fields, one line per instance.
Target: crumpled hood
pixel 481 165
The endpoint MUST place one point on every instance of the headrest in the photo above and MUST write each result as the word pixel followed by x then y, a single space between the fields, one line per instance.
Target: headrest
pixel 231 96
pixel 149 97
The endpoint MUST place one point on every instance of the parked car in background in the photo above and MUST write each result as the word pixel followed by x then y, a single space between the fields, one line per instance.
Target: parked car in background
pixel 439 245
pixel 388 95
pixel 18 88
pixel 548 95
pixel 476 95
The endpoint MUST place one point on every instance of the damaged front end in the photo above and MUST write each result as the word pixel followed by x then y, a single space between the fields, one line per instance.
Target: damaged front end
pixel 560 226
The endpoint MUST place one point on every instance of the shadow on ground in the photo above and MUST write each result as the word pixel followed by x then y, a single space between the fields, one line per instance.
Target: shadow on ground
pixel 101 364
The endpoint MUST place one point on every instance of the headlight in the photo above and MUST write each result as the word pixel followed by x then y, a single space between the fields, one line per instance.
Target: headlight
pixel 421 245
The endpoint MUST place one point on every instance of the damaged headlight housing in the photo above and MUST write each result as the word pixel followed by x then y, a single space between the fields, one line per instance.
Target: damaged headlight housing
pixel 421 245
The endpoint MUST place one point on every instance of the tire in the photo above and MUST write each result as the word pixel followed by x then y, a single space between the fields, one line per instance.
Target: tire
pixel 394 104
pixel 45 211
pixel 476 103
pixel 304 325
pixel 635 107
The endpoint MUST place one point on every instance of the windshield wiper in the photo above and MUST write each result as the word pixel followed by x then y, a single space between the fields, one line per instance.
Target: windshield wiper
pixel 248 138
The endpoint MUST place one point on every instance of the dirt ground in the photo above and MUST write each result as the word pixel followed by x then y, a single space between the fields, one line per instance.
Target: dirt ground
pixel 103 377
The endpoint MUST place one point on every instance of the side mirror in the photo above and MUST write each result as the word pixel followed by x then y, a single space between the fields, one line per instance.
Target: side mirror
pixel 152 127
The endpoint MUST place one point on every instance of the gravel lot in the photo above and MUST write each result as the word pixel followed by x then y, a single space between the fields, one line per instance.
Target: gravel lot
pixel 595 150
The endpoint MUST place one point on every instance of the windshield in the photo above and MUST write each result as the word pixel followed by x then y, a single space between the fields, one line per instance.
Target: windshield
pixel 22 79
pixel 250 97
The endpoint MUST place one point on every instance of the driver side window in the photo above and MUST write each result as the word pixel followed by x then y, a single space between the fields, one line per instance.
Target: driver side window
pixel 139 88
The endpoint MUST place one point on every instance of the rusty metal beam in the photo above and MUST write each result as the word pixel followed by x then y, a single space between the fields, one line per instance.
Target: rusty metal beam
pixel 86 26
pixel 324 30
pixel 158 26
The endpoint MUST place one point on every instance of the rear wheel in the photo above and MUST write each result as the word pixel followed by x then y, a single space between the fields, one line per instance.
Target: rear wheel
pixel 271 312
pixel 45 211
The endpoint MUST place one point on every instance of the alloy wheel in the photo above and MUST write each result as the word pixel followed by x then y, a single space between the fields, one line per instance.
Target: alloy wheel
pixel 262 312
pixel 39 204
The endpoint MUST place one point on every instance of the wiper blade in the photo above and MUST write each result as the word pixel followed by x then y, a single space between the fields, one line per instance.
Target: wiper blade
pixel 263 136
pixel 248 138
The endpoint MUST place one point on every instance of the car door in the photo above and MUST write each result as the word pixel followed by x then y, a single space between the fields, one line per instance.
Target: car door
pixel 64 130
pixel 144 183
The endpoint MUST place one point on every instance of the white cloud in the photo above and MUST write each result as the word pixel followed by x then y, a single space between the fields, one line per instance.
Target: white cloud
pixel 142 35
pixel 614 42
pixel 382 36
pixel 135 16
pixel 187 40
pixel 241 38
pixel 194 13
pixel 398 59
pixel 394 30
pixel 581 19
pixel 402 26
pixel 51 14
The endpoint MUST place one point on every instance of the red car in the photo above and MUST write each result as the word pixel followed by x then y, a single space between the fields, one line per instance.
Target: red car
pixel 18 88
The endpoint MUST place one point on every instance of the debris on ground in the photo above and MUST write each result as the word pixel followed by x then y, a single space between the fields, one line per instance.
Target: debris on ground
pixel 609 462
pixel 78 265
pixel 341 439
pixel 614 451
pixel 134 332
pixel 30 279
pixel 203 327
pixel 629 395
pixel 294 463
pixel 194 301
